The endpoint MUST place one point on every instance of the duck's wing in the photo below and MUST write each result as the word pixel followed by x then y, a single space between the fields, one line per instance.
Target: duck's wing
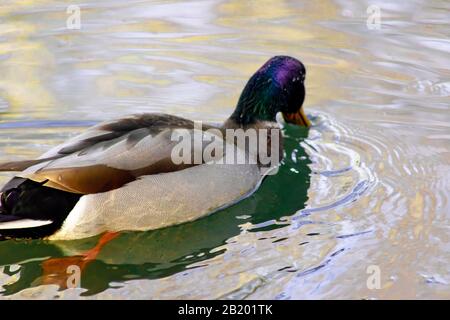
pixel 108 155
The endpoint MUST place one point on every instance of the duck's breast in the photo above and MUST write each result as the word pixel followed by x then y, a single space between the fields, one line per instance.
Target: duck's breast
pixel 161 200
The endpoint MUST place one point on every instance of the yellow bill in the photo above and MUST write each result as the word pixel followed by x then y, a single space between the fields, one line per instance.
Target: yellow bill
pixel 298 117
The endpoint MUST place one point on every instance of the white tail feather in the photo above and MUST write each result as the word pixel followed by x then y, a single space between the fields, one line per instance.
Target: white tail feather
pixel 23 224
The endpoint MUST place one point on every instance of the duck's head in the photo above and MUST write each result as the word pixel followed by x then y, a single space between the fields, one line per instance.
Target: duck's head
pixel 278 86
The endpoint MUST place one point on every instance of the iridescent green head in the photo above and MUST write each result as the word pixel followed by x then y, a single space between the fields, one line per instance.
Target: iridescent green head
pixel 278 86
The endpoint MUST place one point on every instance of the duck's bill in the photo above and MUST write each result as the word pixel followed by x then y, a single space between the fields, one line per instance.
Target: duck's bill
pixel 299 118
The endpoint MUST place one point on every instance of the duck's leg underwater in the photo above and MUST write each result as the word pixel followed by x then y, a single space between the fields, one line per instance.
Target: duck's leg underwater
pixel 58 270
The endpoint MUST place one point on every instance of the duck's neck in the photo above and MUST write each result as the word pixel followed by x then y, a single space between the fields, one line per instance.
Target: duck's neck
pixel 257 103
pixel 230 123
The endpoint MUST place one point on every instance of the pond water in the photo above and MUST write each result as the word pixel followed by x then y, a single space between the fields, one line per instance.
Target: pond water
pixel 367 188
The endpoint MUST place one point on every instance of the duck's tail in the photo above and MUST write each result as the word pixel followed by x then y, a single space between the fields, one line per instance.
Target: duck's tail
pixel 30 210
pixel 25 164
pixel 17 227
pixel 18 165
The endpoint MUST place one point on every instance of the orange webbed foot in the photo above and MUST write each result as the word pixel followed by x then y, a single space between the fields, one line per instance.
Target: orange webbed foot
pixel 59 270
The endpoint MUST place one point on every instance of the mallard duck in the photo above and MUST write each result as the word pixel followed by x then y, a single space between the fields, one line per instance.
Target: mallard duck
pixel 120 175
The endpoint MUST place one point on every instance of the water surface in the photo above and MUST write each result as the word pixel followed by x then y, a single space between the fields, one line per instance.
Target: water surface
pixel 368 185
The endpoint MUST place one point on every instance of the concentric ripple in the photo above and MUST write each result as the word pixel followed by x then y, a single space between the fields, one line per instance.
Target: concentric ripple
pixel 339 170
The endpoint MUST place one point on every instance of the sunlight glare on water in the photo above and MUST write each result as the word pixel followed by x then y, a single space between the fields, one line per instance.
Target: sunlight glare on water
pixel 369 185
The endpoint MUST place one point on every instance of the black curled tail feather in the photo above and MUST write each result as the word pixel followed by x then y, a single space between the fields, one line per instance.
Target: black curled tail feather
pixel 24 200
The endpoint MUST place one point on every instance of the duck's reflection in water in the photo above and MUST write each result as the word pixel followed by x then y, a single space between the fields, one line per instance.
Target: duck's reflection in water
pixel 118 257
